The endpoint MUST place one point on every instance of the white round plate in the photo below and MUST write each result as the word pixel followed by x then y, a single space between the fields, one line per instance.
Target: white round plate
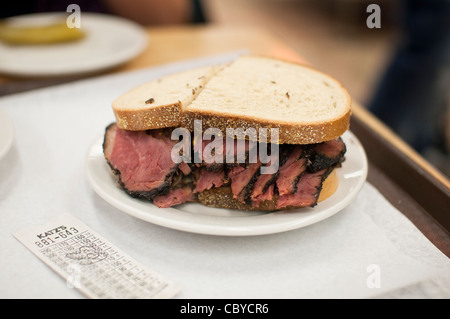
pixel 196 218
pixel 109 41
pixel 6 133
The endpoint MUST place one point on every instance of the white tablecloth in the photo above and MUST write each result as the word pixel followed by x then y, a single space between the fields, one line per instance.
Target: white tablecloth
pixel 43 175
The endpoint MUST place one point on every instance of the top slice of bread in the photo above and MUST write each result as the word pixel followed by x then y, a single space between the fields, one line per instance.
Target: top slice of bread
pixel 159 103
pixel 305 105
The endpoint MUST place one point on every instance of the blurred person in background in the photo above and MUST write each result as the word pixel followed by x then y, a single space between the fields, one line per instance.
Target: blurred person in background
pixel 145 12
pixel 413 97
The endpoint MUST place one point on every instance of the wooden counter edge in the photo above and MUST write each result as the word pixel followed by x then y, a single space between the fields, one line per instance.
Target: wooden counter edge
pixel 376 125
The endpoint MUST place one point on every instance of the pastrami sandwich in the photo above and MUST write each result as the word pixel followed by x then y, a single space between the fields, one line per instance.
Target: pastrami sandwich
pixel 255 134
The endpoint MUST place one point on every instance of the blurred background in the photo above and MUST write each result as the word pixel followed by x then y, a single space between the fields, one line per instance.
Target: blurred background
pixel 331 34
pixel 399 71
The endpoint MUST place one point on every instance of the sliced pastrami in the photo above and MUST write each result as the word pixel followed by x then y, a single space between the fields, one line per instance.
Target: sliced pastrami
pixel 208 180
pixel 174 197
pixel 326 154
pixel 141 159
pixel 261 190
pixel 262 184
pixel 266 195
pixel 291 171
pixel 143 162
pixel 244 195
pixel 242 180
pixel 308 190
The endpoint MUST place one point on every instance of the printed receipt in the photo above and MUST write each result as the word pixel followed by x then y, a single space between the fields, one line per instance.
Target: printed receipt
pixel 90 263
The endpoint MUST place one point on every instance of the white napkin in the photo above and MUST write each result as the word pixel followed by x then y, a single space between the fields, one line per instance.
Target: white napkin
pixel 367 250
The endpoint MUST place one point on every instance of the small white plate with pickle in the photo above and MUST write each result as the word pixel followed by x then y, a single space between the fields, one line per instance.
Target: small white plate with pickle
pixel 43 44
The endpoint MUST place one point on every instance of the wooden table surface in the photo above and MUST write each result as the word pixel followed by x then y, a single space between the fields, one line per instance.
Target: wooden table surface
pixel 168 44
pixel 402 166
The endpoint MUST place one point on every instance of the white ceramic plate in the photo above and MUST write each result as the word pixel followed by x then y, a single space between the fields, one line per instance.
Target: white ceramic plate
pixel 196 218
pixel 6 133
pixel 109 41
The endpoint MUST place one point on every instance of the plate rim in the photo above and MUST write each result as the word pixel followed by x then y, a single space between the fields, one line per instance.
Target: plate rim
pixel 186 223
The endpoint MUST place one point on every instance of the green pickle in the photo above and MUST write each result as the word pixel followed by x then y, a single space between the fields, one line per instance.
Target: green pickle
pixel 49 34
